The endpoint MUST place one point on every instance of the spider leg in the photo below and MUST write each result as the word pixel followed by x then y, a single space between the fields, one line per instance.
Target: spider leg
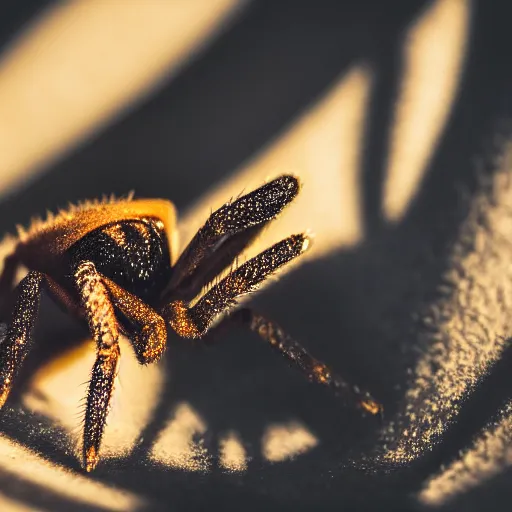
pixel 18 339
pixel 150 340
pixel 195 321
pixel 314 370
pixel 226 233
pixel 104 328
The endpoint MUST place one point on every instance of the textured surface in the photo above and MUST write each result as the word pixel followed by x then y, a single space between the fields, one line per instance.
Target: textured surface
pixel 396 118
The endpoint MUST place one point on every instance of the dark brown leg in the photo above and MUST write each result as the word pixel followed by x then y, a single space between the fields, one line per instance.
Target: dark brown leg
pixel 312 368
pixel 18 339
pixel 103 325
pixel 150 338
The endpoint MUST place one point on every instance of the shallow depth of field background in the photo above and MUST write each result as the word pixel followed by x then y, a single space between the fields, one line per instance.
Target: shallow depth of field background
pixel 395 115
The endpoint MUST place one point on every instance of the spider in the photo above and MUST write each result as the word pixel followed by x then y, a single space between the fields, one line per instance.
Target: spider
pixel 110 262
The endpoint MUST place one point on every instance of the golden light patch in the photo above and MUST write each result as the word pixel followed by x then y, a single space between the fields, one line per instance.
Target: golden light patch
pixel 434 59
pixel 286 441
pixel 232 454
pixel 29 467
pixel 178 446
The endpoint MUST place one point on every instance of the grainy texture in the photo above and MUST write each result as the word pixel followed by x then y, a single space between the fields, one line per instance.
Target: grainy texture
pixel 463 334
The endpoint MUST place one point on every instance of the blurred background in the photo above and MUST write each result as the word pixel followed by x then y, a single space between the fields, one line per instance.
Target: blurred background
pixel 395 116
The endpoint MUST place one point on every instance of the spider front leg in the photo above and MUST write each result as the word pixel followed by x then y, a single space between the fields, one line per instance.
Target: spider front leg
pixel 103 325
pixel 18 339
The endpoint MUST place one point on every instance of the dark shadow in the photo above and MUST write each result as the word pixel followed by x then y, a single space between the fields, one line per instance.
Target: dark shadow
pixel 387 69
pixel 17 15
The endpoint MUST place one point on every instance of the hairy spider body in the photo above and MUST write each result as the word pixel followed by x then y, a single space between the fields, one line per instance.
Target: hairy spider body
pixel 113 263
pixel 134 254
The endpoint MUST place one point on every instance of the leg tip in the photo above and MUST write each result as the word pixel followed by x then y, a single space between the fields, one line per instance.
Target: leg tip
pixel 306 242
pixel 286 185
pixel 91 459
